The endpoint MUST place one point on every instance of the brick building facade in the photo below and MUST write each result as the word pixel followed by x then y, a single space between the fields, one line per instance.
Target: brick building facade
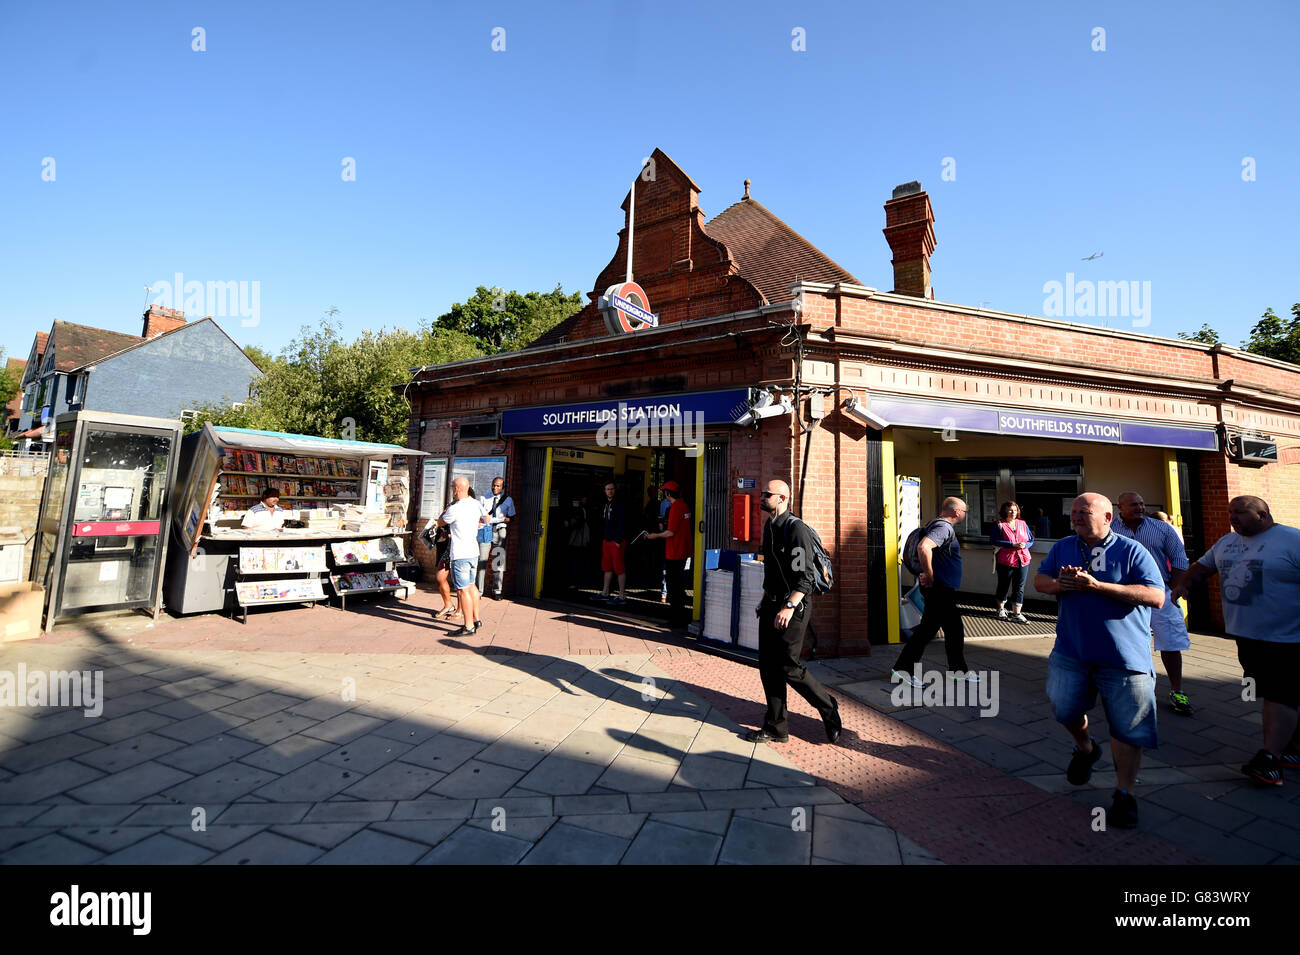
pixel 960 400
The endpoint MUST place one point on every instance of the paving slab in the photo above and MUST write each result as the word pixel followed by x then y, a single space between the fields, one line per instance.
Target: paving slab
pixel 625 825
pixel 130 785
pixel 322 835
pixel 268 848
pixel 856 843
pixel 215 838
pixel 199 758
pixel 263 813
pixel 49 849
pixel 224 784
pixel 430 832
pixel 569 845
pixel 660 844
pixel 469 845
pixel 159 849
pixel 749 842
pixel 445 752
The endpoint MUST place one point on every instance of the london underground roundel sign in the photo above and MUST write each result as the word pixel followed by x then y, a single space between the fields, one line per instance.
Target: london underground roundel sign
pixel 627 309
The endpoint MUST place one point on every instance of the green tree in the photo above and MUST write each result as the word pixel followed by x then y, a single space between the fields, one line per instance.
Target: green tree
pixel 1275 337
pixel 10 388
pixel 322 385
pixel 505 321
pixel 1206 335
pixel 261 358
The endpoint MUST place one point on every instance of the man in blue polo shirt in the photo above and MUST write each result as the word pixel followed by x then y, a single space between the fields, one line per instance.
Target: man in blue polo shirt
pixel 1106 586
pixel 1167 624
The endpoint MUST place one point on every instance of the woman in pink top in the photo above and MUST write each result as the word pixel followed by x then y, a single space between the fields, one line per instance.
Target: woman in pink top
pixel 1012 538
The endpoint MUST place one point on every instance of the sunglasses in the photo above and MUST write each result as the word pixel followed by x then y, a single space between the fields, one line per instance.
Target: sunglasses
pixel 771 494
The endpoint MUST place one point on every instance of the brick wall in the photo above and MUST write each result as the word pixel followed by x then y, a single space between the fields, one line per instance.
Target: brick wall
pixel 20 504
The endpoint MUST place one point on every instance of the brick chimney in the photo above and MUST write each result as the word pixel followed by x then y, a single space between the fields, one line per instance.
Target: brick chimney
pixel 909 230
pixel 158 320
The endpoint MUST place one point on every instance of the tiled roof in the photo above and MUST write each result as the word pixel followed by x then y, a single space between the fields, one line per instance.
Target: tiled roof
pixel 75 345
pixel 769 253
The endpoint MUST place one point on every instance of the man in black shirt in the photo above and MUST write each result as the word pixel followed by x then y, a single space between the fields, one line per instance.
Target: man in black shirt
pixel 783 616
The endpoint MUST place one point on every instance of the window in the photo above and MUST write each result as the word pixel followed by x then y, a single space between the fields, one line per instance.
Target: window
pixel 478 429
pixel 1043 487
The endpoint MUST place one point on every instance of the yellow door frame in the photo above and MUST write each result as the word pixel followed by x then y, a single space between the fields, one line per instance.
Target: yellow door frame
pixel 697 563
pixel 889 488
pixel 546 520
pixel 1174 503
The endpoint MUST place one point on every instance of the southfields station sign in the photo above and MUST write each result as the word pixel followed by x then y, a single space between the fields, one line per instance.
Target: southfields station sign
pixel 653 414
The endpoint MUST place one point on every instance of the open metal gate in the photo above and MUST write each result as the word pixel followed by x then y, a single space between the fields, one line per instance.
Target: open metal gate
pixel 717 481
pixel 531 517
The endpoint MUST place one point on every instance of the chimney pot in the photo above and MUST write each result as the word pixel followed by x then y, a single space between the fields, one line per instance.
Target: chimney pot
pixel 909 230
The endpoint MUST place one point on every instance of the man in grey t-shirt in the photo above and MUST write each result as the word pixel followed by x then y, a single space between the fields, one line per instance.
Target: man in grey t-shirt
pixel 1259 578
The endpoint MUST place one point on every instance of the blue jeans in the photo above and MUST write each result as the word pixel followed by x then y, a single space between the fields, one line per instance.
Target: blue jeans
pixel 1128 697
pixel 1015 577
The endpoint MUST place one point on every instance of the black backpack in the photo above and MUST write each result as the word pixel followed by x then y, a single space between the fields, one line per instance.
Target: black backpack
pixel 911 560
pixel 823 570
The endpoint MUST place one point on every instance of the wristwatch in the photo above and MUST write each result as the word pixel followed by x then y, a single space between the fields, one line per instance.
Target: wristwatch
pixel 789 605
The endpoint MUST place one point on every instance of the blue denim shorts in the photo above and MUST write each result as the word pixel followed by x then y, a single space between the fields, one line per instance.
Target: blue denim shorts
pixel 1128 698
pixel 462 573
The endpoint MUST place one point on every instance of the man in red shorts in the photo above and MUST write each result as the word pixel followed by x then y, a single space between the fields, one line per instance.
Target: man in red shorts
pixel 680 546
pixel 613 546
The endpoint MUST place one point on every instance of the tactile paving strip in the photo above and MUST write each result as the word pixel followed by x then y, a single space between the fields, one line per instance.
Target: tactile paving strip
pixel 960 809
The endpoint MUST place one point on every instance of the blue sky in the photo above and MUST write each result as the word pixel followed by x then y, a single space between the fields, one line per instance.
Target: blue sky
pixel 507 168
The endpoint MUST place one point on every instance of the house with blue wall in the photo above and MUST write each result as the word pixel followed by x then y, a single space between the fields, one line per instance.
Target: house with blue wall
pixel 175 366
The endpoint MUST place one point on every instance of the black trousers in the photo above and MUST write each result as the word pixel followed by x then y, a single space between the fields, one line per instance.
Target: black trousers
pixel 779 664
pixel 676 571
pixel 941 613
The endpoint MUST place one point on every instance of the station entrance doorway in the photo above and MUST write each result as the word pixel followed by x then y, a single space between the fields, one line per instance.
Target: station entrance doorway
pixel 560 549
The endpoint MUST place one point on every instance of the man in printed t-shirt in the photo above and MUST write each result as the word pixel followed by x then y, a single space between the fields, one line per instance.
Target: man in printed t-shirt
pixel 1259 578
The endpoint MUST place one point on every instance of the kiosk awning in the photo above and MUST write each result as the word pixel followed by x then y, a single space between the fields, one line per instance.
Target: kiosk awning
pixel 279 441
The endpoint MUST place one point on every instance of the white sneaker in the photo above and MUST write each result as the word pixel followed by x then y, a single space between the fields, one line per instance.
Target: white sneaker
pixel 1020 618
pixel 907 678
pixel 1002 613
pixel 970 677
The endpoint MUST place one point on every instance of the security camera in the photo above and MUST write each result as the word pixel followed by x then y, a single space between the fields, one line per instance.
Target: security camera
pixel 857 410
pixel 769 410
pixel 758 400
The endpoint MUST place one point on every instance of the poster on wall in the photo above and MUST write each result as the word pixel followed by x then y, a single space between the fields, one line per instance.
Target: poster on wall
pixel 433 488
pixel 480 472
pixel 990 506
pixel 909 508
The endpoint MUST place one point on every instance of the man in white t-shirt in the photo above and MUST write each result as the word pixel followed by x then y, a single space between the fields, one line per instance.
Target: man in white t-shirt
pixel 1259 579
pixel 463 517
pixel 267 514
